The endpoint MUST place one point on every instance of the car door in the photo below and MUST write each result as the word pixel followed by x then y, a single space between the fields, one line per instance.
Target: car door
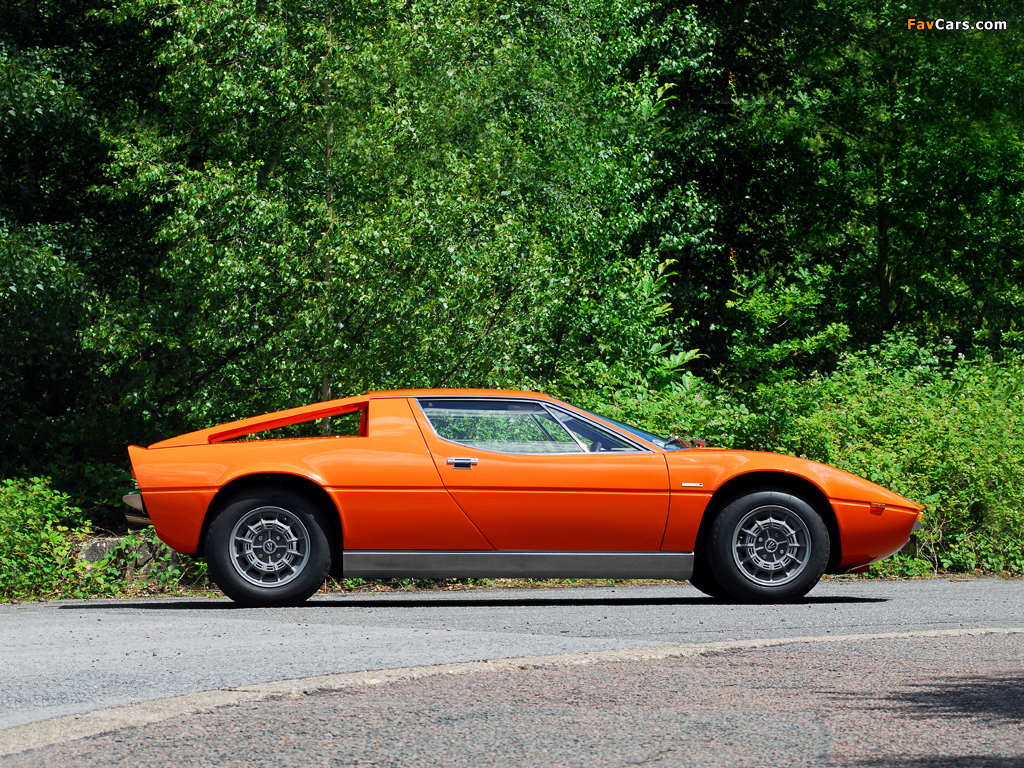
pixel 532 476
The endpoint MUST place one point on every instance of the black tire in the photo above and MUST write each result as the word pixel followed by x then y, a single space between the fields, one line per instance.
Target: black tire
pixel 267 547
pixel 705 581
pixel 768 546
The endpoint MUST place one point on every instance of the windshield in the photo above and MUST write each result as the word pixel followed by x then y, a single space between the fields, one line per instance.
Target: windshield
pixel 662 442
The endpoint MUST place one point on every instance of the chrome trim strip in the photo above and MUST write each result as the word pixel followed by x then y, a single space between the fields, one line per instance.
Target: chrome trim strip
pixel 442 564
pixel 692 485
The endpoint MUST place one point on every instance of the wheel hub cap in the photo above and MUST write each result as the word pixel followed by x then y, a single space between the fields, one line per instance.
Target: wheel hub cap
pixel 270 546
pixel 771 545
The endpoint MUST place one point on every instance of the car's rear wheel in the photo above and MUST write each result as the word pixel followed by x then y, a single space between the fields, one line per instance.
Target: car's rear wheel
pixel 767 546
pixel 268 547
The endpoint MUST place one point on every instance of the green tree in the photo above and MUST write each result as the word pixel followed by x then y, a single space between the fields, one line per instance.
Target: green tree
pixel 66 76
pixel 386 194
pixel 865 177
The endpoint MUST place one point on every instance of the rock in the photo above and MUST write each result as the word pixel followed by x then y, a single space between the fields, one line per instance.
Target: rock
pixel 140 560
pixel 143 556
pixel 98 548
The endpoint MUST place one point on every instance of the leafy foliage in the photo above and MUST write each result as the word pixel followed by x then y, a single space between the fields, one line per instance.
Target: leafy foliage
pixel 40 538
pixel 357 186
pixel 38 534
pixel 834 148
pixel 141 562
pixel 705 217
pixel 945 432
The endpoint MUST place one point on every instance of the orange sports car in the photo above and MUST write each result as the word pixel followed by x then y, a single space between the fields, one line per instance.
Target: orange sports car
pixel 489 483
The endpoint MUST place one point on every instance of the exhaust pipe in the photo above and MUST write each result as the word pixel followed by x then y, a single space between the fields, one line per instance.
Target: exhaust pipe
pixel 139 516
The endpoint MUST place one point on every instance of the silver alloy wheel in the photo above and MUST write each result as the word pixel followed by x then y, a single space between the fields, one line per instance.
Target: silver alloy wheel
pixel 269 546
pixel 771 545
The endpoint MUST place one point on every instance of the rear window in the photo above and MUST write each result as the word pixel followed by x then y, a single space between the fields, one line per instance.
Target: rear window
pixel 350 424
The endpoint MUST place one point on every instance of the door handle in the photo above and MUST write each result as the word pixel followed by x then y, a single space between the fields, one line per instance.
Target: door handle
pixel 460 463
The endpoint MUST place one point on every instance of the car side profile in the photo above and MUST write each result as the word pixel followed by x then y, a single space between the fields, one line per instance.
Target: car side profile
pixel 490 483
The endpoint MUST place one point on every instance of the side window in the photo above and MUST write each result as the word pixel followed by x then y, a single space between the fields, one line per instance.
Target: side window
pixel 497 425
pixel 351 423
pixel 596 439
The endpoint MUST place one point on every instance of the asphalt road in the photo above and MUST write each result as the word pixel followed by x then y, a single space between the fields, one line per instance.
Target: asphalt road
pixel 920 702
pixel 76 656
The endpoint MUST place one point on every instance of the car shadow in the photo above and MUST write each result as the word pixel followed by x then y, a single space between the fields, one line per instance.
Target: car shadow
pixel 401 601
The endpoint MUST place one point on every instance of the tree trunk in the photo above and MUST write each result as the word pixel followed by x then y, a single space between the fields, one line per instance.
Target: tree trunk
pixel 325 380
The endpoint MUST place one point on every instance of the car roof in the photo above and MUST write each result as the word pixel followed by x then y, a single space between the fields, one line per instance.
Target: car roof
pixel 443 392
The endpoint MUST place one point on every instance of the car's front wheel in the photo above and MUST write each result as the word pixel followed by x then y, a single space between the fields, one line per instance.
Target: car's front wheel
pixel 767 546
pixel 268 547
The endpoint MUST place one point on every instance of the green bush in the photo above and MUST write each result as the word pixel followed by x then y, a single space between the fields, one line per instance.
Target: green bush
pixel 39 532
pixel 946 433
pixel 948 436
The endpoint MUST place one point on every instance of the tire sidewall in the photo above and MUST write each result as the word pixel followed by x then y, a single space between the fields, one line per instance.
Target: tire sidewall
pixel 720 547
pixel 219 549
